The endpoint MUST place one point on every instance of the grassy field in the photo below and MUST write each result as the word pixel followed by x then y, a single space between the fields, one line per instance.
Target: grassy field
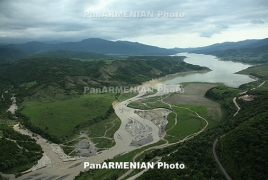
pixel 100 132
pixel 103 142
pixel 187 122
pixel 171 120
pixel 59 118
pixel 126 96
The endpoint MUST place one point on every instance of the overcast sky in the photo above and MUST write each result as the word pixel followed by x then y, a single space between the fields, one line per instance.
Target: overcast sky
pixel 169 23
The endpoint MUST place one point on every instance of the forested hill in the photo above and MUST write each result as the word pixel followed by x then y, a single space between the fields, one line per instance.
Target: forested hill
pixel 9 54
pixel 95 45
pixel 247 55
pixel 248 51
pixel 221 47
pixel 58 79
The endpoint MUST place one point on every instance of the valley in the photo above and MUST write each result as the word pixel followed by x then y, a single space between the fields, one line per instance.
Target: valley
pixel 158 123
pixel 133 90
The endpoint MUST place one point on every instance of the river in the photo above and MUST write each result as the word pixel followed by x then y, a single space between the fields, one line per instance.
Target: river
pixel 222 71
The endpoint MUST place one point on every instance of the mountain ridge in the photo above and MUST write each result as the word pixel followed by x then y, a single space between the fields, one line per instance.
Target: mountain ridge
pixel 125 48
pixel 95 45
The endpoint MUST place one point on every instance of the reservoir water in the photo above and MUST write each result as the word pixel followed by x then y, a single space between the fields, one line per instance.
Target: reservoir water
pixel 222 71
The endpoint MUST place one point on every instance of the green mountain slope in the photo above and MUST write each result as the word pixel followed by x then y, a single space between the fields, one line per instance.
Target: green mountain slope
pixel 243 151
pixel 248 55
pixel 7 54
pixel 67 54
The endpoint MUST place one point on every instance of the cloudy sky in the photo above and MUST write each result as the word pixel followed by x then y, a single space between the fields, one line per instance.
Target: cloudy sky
pixel 169 23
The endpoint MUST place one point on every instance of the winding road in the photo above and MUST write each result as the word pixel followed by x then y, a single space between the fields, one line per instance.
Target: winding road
pixel 216 140
pixel 218 161
pixel 238 108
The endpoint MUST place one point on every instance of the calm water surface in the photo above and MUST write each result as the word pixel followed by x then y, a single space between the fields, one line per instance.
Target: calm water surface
pixel 222 71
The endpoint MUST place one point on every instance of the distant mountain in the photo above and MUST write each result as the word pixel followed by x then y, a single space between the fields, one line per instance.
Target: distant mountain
pixel 32 46
pixel 182 50
pixel 52 42
pixel 101 46
pixel 259 43
pixel 247 55
pixel 67 54
pixel 224 46
pixel 7 54
pixel 95 45
pixel 10 54
pixel 147 49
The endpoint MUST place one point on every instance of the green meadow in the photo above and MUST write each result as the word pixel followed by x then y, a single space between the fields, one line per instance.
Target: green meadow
pixel 59 118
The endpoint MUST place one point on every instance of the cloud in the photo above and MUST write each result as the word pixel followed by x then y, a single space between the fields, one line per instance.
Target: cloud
pixel 210 31
pixel 257 21
pixel 65 20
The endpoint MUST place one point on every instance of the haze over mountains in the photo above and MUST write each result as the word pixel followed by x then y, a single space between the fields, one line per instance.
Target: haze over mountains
pixel 95 47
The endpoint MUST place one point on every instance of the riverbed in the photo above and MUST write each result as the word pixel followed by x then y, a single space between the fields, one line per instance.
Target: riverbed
pixel 221 71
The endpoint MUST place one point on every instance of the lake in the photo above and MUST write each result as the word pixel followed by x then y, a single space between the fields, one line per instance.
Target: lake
pixel 222 71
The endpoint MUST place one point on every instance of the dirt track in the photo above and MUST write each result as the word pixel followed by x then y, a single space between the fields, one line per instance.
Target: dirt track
pixel 164 145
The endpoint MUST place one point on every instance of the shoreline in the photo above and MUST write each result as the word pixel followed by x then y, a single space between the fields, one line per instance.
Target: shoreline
pixel 249 75
pixel 160 79
pixel 251 64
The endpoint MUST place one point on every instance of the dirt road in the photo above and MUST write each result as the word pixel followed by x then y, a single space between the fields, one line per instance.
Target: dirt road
pixel 238 108
pixel 218 162
pixel 215 142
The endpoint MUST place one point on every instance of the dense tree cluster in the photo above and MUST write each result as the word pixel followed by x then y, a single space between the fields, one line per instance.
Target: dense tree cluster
pixel 26 121
pixel 243 151
pixel 17 149
pixel 140 69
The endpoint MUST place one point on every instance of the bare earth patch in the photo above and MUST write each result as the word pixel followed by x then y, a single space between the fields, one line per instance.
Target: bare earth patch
pixel 157 116
pixel 194 94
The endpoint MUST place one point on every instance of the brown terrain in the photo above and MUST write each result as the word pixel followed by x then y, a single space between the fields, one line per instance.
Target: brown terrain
pixel 194 94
